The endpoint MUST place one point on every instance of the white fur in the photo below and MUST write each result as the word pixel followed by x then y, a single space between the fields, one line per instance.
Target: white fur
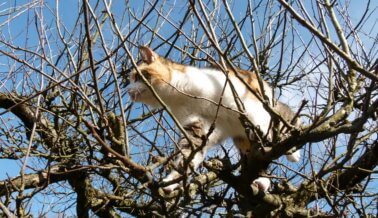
pixel 262 183
pixel 295 156
pixel 208 84
pixel 173 175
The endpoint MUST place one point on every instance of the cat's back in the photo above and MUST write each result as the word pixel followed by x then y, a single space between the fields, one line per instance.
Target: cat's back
pixel 201 82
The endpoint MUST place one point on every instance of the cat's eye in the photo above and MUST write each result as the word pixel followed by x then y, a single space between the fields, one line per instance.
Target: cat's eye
pixel 145 74
pixel 137 77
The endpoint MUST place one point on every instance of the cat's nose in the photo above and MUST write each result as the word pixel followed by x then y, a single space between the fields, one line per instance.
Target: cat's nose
pixel 133 93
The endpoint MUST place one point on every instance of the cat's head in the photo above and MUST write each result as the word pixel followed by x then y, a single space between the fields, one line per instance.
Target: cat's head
pixel 156 70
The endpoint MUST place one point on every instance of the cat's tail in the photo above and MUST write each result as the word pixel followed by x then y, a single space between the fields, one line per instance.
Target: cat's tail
pixel 294 157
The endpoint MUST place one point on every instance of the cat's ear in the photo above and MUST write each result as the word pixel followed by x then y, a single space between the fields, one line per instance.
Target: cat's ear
pixel 148 56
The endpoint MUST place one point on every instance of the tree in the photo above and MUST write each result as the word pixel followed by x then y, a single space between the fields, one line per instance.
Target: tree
pixel 80 146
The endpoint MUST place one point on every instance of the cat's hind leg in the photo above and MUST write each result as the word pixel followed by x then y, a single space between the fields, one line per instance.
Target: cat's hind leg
pixel 245 149
pixel 193 152
pixel 294 157
pixel 262 183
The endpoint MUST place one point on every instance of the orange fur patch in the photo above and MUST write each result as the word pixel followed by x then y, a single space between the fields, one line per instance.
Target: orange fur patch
pixel 243 145
pixel 251 79
pixel 160 70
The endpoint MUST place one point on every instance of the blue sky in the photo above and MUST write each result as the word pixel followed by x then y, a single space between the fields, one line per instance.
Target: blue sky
pixel 24 24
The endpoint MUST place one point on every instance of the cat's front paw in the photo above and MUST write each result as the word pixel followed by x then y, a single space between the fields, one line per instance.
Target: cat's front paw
pixel 262 183
pixel 294 157
pixel 170 188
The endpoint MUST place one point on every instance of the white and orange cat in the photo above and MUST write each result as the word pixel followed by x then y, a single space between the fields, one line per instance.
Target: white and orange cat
pixel 176 85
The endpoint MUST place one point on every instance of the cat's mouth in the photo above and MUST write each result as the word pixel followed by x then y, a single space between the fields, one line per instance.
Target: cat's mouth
pixel 135 93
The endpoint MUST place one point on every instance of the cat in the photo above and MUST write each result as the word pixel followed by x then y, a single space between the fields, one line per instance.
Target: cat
pixel 192 95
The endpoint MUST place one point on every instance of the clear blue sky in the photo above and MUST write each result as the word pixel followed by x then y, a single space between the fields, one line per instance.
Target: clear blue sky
pixel 24 24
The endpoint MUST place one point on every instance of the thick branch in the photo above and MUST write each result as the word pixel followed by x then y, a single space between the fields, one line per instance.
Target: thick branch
pixel 26 114
pixel 322 132
pixel 346 180
pixel 360 170
pixel 22 111
pixel 35 180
